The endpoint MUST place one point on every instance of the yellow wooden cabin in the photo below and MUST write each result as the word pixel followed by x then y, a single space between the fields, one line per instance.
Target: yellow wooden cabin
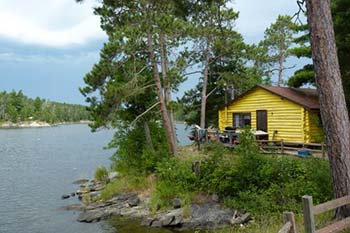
pixel 291 114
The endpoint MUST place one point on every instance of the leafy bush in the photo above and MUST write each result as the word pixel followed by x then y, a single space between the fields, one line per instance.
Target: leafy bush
pixel 101 174
pixel 134 156
pixel 247 145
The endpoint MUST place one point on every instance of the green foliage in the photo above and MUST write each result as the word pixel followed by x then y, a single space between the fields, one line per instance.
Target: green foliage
pixel 278 39
pixel 247 145
pixel 134 155
pixel 302 77
pixel 175 180
pixel 341 19
pixel 253 182
pixel 15 106
pixel 341 15
pixel 125 184
pixel 101 174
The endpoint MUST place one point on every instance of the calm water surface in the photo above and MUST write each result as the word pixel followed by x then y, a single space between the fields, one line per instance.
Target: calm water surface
pixel 37 166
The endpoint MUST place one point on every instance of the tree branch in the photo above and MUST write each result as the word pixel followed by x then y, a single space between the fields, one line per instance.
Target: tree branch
pixel 301 9
pixel 194 72
pixel 211 92
pixel 145 112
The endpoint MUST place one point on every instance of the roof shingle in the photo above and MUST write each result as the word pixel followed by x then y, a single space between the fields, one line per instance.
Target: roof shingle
pixel 305 97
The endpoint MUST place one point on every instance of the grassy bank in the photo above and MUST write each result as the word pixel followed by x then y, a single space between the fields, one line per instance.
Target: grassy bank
pixel 243 179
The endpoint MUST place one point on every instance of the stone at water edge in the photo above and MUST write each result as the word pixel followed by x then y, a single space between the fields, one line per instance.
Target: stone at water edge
pixel 75 207
pixel 81 181
pixel 65 196
pixel 92 216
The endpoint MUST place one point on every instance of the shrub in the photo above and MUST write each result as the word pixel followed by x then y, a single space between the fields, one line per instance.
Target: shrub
pixel 101 174
pixel 134 156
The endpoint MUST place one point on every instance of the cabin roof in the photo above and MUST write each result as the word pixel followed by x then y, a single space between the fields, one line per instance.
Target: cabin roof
pixel 305 97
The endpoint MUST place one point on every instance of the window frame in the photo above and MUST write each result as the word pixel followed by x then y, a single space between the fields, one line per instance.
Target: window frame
pixel 241 119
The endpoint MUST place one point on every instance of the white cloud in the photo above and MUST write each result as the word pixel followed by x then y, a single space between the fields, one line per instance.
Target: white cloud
pixel 54 23
pixel 77 58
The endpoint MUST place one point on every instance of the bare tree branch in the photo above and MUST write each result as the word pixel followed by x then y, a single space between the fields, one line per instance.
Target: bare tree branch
pixel 301 9
pixel 145 112
pixel 211 92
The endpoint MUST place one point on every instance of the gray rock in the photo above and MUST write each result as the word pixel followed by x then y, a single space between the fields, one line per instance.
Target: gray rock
pixel 170 219
pixel 93 216
pixel 177 203
pixel 72 194
pixel 241 219
pixel 76 207
pixel 113 175
pixel 133 201
pixel 95 194
pixel 214 198
pixel 208 216
pixel 156 223
pixel 81 181
pixel 147 221
pixel 65 196
pixel 177 221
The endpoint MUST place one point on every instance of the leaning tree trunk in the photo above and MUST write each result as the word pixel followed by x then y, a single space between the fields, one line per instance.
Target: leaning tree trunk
pixel 204 88
pixel 163 108
pixel 166 81
pixel 332 102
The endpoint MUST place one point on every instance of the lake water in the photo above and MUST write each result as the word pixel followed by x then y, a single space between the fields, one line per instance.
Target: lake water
pixel 37 166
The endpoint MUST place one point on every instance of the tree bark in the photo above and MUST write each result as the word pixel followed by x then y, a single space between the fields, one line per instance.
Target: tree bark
pixel 332 102
pixel 167 82
pixel 280 70
pixel 163 108
pixel 204 89
pixel 148 136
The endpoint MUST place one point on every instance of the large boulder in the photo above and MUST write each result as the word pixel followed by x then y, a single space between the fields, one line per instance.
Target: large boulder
pixel 208 216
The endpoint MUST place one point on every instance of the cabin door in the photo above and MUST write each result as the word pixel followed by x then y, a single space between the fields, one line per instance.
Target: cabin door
pixel 261 120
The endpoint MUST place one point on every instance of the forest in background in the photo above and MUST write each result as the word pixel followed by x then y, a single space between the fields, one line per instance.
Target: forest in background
pixel 16 107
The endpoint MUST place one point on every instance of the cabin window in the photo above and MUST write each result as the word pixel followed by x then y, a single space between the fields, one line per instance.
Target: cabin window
pixel 241 119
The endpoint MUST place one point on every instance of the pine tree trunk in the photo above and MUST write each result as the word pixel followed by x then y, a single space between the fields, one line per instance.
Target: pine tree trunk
pixel 280 71
pixel 332 102
pixel 166 81
pixel 163 108
pixel 204 89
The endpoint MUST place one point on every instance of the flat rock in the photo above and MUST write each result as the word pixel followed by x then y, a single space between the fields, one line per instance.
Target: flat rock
pixel 76 207
pixel 96 215
pixel 81 181
pixel 208 216
pixel 147 221
pixel 241 219
pixel 133 200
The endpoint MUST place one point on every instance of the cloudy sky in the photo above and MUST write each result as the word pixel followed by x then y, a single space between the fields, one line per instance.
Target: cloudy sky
pixel 46 47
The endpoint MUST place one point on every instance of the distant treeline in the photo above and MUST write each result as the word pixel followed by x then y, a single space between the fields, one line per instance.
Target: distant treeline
pixel 15 107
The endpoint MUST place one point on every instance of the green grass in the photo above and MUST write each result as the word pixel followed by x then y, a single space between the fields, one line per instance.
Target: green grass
pixel 127 184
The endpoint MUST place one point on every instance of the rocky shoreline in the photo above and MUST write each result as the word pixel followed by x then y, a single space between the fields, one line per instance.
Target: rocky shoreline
pixel 35 124
pixel 207 215
pixel 24 124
